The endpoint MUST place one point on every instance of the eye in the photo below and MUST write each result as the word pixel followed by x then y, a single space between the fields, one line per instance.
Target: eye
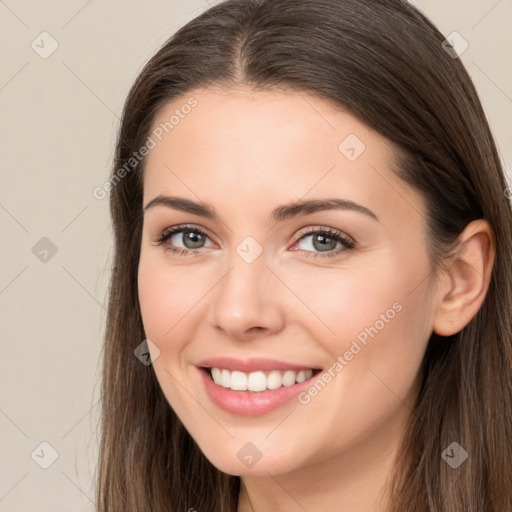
pixel 324 241
pixel 193 239
pixel 321 244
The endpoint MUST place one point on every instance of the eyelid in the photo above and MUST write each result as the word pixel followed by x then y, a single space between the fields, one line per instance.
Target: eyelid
pixel 345 240
pixel 166 233
pixel 200 229
pixel 325 229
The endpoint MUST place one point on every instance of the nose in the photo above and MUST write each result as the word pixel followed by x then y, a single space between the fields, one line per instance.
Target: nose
pixel 247 302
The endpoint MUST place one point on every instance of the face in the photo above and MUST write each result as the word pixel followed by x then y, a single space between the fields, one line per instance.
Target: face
pixel 332 296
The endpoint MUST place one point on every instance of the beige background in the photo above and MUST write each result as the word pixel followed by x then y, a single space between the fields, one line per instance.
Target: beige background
pixel 59 119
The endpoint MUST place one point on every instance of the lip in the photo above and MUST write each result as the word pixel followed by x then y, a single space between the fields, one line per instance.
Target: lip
pixel 245 403
pixel 251 365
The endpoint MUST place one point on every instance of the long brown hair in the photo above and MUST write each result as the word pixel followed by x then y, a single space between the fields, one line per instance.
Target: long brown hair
pixel 384 61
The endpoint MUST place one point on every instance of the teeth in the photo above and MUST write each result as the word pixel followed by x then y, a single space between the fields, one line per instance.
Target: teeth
pixel 258 381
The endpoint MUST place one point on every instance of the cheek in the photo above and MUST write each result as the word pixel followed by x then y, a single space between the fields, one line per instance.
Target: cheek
pixel 388 319
pixel 156 304
pixel 168 297
pixel 169 301
pixel 372 316
pixel 342 303
pixel 379 341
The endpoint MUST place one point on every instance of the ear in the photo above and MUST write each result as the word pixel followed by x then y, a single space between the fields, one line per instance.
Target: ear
pixel 465 282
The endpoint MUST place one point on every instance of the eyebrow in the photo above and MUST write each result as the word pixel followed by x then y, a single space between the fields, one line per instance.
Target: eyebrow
pixel 279 214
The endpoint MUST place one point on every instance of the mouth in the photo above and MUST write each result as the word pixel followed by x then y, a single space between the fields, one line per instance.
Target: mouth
pixel 259 380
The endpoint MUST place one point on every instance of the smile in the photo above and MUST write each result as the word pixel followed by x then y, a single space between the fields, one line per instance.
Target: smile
pixel 258 381
pixel 254 393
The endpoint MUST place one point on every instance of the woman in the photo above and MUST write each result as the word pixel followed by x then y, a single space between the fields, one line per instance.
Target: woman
pixel 313 248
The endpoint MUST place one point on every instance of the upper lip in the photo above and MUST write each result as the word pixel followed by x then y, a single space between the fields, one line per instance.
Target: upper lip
pixel 251 365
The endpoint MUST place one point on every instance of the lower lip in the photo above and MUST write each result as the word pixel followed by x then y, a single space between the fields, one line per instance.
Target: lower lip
pixel 245 403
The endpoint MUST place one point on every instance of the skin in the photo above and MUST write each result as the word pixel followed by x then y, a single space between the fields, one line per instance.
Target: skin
pixel 245 153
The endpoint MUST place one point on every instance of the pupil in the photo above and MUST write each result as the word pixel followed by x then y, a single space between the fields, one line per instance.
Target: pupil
pixel 194 238
pixel 323 246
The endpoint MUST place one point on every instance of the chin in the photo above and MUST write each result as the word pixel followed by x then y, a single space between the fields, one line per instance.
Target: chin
pixel 239 463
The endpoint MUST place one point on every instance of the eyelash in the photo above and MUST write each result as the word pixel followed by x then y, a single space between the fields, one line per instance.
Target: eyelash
pixel 347 243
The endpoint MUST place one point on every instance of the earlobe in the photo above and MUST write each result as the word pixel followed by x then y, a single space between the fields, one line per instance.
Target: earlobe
pixel 466 279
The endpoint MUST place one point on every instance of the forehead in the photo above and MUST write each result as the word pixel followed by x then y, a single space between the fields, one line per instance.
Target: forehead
pixel 247 149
